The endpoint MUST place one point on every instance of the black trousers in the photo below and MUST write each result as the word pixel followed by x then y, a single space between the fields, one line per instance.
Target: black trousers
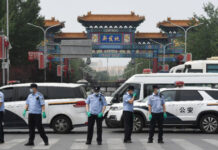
pixel 35 121
pixel 91 124
pixel 1 126
pixel 156 118
pixel 128 124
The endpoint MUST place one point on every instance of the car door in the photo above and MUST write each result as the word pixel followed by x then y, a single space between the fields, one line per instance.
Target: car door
pixel 13 109
pixel 170 97
pixel 188 104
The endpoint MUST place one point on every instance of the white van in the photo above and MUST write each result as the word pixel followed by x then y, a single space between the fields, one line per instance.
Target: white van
pixel 143 84
pixel 197 66
pixel 64 105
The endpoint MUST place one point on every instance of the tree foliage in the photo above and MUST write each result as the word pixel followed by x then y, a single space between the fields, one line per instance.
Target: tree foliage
pixel 203 40
pixel 23 38
pixel 137 67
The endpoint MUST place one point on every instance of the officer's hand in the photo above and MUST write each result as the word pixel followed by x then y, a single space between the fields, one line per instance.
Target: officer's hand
pixel 150 117
pixel 24 113
pixel 134 94
pixel 88 114
pixel 100 115
pixel 44 115
pixel 165 115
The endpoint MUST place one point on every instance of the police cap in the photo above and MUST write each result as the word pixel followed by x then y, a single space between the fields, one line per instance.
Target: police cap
pixel 96 88
pixel 33 85
pixel 130 88
pixel 155 87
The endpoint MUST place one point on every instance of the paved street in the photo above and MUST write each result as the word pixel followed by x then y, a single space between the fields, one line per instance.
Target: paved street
pixel 181 139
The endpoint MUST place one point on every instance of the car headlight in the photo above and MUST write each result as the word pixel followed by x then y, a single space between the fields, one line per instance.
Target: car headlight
pixel 117 108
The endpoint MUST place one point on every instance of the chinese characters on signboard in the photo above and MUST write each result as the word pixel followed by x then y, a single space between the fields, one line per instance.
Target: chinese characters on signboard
pixel 111 38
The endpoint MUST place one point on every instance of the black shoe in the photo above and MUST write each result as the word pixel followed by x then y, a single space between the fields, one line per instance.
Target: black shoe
pixel 29 144
pixel 1 142
pixel 128 141
pixel 160 141
pixel 150 141
pixel 46 143
pixel 88 143
pixel 99 143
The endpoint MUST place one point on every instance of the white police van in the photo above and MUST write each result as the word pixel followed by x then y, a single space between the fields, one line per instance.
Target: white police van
pixel 197 66
pixel 64 105
pixel 186 107
pixel 143 85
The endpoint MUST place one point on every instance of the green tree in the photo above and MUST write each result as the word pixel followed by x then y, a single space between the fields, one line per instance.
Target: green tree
pixel 137 67
pixel 22 37
pixel 203 40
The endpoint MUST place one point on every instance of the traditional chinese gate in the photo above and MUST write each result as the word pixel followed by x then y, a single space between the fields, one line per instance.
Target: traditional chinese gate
pixel 115 36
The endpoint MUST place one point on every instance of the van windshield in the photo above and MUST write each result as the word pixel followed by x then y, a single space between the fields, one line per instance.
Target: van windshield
pixel 118 94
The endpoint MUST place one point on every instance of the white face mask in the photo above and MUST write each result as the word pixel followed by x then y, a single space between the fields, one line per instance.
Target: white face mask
pixel 31 90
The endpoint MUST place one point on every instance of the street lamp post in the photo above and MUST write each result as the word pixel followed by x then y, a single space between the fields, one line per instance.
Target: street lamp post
pixel 164 48
pixel 132 69
pixel 185 31
pixel 8 58
pixel 136 67
pixel 45 44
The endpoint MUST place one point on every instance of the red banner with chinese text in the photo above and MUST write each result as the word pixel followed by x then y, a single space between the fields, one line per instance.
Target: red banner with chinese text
pixel 41 61
pixel 2 48
pixel 34 55
pixel 58 70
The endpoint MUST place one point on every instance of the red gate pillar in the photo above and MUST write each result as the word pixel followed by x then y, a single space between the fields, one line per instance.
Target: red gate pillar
pixel 155 61
pixel 155 65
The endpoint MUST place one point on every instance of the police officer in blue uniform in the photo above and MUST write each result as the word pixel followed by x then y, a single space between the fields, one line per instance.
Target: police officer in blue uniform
pixel 35 104
pixel 128 100
pixel 2 108
pixel 157 113
pixel 95 107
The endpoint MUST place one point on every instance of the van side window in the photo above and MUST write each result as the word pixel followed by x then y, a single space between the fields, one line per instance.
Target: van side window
pixel 148 88
pixel 213 94
pixel 9 94
pixel 124 90
pixel 212 68
pixel 169 96
pixel 43 91
pixel 195 70
pixel 189 95
pixel 22 93
pixel 64 92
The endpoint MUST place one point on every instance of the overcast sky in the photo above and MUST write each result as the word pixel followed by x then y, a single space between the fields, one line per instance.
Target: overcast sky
pixel 153 10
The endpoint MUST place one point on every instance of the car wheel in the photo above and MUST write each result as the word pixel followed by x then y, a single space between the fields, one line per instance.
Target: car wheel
pixel 209 123
pixel 108 124
pixel 61 124
pixel 138 123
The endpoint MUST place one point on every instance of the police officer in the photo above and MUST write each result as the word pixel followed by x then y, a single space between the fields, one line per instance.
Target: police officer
pixel 36 106
pixel 157 113
pixel 128 100
pixel 95 107
pixel 1 117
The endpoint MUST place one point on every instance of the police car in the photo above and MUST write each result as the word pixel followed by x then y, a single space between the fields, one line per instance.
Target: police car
pixel 64 105
pixel 186 107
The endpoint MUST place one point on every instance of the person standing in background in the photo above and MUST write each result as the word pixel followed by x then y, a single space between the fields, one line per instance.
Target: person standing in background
pixel 2 109
pixel 157 113
pixel 128 100
pixel 35 104
pixel 95 107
